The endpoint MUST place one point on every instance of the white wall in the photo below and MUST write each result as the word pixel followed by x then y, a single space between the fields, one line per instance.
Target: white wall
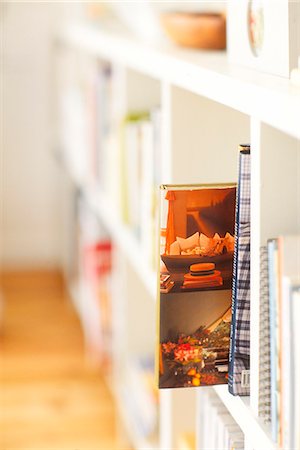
pixel 30 177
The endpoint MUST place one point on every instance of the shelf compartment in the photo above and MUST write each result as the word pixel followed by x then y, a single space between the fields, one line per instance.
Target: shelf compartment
pixel 204 139
pixel 122 236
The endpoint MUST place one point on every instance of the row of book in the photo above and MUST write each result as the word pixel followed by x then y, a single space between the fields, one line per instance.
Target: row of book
pixel 217 429
pixel 279 359
pixel 141 396
pixel 117 151
pixel 90 111
pixel 140 145
pixel 95 282
pixel 77 85
pixel 279 339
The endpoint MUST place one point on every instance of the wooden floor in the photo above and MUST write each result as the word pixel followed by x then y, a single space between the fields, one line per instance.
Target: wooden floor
pixel 49 399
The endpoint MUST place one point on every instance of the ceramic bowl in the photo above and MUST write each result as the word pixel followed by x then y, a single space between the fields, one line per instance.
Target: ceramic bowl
pixel 196 30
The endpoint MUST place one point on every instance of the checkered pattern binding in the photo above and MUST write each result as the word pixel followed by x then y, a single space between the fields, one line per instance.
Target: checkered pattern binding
pixel 240 364
pixel 244 189
pixel 264 402
pixel 240 327
pixel 242 318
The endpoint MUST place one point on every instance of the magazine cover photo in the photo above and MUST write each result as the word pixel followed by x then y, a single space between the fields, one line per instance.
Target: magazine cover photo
pixel 196 258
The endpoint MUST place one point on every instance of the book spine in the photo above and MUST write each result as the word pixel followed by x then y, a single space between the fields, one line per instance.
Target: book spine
pixel 273 339
pixel 278 343
pixel 242 217
pixel 264 340
pixel 286 391
pixel 295 365
pixel 234 284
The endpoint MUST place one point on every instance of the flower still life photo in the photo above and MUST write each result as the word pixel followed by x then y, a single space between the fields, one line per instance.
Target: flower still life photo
pixel 196 259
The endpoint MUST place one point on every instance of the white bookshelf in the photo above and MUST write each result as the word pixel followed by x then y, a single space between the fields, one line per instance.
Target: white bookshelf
pixel 208 108
pixel 271 99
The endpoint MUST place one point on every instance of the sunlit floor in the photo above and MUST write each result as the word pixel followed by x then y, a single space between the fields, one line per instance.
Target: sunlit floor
pixel 49 398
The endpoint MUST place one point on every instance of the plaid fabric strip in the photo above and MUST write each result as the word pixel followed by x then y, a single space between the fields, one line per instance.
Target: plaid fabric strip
pixel 242 337
pixel 241 348
pixel 245 187
pixel 240 365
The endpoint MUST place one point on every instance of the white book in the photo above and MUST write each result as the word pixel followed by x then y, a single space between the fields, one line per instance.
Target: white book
pixel 206 425
pixel 207 429
pixel 295 349
pixel 264 340
pixel 289 269
pixel 218 410
pixel 286 390
pixel 229 430
pixel 156 120
pixel 227 422
pixel 141 396
pixel 215 409
pixel 236 440
pixel 222 418
pixel 146 197
pixel 132 173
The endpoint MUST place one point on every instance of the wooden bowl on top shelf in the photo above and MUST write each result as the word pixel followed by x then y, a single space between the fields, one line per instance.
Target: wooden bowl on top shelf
pixel 196 30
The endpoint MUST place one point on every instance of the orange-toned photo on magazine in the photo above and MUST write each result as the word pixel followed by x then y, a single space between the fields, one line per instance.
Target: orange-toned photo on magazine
pixel 196 258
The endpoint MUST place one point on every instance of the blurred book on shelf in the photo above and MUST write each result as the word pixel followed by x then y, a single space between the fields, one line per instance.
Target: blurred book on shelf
pixel 140 178
pixel 274 334
pixel 90 117
pixel 107 149
pixel 95 267
pixel 141 395
pixel 75 85
pixel 197 226
pixel 289 275
pixel 239 358
pixel 264 401
pixel 217 428
pixel 284 281
pixel 187 441
pixel 295 342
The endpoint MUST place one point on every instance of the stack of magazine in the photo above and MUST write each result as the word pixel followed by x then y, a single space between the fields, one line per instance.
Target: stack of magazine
pixel 284 306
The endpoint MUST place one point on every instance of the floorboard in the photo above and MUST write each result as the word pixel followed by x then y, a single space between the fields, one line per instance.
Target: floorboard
pixel 50 398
